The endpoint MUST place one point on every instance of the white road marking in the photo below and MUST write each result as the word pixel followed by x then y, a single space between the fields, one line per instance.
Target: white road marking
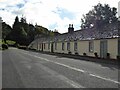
pixel 61 77
pixel 107 79
pixel 72 83
pixel 76 69
pixel 73 68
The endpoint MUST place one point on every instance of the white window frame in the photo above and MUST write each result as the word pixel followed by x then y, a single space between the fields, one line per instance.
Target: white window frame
pixel 75 46
pixel 68 46
pixel 91 46
pixel 63 46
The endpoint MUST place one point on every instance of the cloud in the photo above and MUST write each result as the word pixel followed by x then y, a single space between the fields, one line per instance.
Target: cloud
pixel 20 5
pixel 64 13
pixel 52 14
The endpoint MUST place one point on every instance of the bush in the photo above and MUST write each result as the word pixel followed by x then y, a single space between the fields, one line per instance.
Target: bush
pixel 69 52
pixel 118 57
pixel 84 54
pixel 4 46
pixel 76 53
pixel 96 55
pixel 108 55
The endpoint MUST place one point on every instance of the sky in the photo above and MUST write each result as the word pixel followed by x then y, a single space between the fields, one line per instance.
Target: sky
pixel 52 14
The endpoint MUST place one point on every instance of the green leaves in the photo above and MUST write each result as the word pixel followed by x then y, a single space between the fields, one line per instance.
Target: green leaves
pixel 6 29
pixel 99 16
pixel 23 33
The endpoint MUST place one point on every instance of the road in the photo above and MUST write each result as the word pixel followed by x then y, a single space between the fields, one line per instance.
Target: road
pixel 27 69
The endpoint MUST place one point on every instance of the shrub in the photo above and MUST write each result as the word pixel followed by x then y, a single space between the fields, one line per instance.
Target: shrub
pixel 108 55
pixel 76 53
pixel 4 46
pixel 69 52
pixel 118 57
pixel 96 55
pixel 84 54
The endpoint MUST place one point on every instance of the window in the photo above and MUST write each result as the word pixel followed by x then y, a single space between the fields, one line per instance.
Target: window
pixel 55 45
pixel 63 46
pixel 68 46
pixel 91 46
pixel 75 46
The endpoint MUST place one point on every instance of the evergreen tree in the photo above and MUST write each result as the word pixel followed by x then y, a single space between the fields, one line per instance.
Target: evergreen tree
pixel 6 29
pixel 24 33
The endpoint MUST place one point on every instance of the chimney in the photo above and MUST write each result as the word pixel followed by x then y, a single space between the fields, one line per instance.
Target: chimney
pixel 71 28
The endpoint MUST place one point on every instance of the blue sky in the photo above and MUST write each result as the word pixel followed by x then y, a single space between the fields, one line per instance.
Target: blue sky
pixel 52 14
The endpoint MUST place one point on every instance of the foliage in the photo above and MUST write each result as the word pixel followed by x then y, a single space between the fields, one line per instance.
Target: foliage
pixel 4 46
pixel 6 29
pixel 9 42
pixel 99 16
pixel 23 33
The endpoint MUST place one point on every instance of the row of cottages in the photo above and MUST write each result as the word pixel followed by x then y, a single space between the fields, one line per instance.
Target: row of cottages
pixel 91 42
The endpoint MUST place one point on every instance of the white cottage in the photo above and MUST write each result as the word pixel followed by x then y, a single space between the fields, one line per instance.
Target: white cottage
pixel 91 42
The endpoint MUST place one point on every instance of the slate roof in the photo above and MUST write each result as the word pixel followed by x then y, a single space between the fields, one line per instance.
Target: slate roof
pixel 110 31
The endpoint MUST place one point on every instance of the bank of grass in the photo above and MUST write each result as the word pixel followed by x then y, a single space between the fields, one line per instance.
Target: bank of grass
pixel 8 42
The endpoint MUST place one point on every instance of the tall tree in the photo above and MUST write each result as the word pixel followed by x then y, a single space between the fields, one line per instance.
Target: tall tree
pixel 99 16
pixel 6 29
pixel 24 33
pixel 31 33
pixel 16 30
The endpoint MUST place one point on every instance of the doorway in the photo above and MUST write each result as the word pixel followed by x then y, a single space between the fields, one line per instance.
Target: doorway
pixel 103 48
pixel 119 46
pixel 52 47
pixel 42 47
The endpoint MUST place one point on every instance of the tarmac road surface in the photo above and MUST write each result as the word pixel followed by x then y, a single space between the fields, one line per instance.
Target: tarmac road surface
pixel 27 69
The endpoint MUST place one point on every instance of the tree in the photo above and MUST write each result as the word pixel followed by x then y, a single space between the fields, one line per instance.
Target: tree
pixel 6 29
pixel 24 24
pixel 16 30
pixel 16 23
pixel 23 20
pixel 99 16
pixel 31 33
pixel 24 33
pixel 22 37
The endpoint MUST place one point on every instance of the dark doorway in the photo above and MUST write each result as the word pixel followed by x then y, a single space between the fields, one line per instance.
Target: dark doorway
pixel 42 47
pixel 52 47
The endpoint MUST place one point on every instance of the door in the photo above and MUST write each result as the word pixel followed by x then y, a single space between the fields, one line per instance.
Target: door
pixel 52 48
pixel 42 47
pixel 103 48
pixel 119 47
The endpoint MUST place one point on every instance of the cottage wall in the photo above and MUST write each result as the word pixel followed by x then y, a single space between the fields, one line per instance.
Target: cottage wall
pixel 82 47
pixel 113 47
